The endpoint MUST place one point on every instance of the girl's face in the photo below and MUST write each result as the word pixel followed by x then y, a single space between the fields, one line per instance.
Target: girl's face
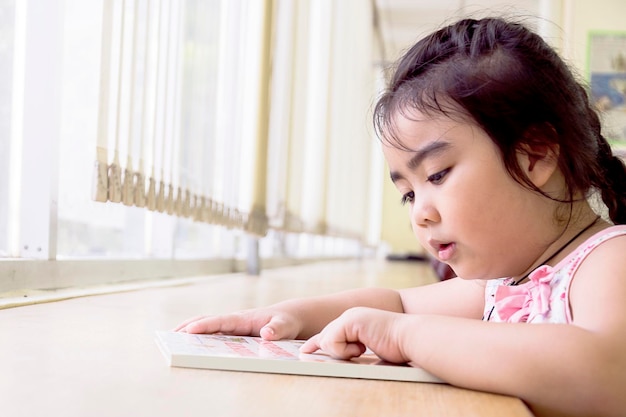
pixel 465 209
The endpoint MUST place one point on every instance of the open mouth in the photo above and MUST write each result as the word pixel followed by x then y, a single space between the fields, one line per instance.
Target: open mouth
pixel 446 250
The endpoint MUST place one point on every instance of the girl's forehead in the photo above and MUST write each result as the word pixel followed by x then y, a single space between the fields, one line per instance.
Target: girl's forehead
pixel 409 128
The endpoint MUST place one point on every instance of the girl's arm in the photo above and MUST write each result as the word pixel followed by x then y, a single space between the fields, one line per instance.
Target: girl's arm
pixel 557 369
pixel 574 369
pixel 304 317
pixel 454 297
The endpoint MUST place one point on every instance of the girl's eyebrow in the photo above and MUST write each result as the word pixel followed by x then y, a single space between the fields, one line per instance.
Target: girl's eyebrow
pixel 433 148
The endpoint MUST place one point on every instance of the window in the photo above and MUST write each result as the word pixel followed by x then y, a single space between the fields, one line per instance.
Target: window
pixel 168 74
pixel 7 28
pixel 225 107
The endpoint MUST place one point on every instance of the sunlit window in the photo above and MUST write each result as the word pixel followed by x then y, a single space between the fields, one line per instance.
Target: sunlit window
pixel 7 19
pixel 150 130
pixel 164 35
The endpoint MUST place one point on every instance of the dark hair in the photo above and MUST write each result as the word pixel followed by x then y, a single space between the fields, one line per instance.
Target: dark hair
pixel 519 91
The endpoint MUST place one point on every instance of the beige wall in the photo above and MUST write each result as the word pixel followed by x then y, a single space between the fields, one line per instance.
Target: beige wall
pixel 581 17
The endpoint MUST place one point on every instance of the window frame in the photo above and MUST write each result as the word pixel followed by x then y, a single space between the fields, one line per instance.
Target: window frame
pixel 34 264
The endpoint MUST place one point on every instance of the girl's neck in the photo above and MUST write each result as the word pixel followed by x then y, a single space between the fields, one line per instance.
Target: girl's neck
pixel 580 228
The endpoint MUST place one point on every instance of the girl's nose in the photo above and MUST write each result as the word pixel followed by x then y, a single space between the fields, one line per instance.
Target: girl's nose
pixel 424 212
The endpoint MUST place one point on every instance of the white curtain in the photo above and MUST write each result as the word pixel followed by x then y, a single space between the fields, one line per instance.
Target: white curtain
pixel 157 130
pixel 321 159
pixel 260 123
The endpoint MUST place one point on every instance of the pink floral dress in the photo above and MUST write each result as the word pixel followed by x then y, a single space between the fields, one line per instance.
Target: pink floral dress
pixel 544 298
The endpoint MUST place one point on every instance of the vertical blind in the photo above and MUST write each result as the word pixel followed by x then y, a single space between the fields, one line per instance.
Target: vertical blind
pixel 173 128
pixel 260 124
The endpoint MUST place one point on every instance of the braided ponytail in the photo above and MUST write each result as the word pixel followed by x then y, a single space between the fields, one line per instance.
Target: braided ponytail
pixel 613 186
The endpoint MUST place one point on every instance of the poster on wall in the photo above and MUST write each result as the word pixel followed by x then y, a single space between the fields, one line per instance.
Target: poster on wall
pixel 607 73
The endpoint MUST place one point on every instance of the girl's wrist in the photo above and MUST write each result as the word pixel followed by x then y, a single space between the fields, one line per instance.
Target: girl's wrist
pixel 408 336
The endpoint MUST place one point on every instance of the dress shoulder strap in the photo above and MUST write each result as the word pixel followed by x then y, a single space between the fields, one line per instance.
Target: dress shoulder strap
pixel 579 255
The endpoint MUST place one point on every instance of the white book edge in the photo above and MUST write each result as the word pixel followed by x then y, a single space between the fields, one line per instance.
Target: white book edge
pixel 213 352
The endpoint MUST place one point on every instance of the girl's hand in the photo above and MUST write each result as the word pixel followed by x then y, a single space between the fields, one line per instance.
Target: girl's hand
pixel 269 323
pixel 358 328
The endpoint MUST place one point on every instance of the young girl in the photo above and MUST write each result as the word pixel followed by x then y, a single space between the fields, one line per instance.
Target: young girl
pixel 496 151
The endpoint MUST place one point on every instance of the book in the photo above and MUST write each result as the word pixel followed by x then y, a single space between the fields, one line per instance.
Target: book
pixel 253 354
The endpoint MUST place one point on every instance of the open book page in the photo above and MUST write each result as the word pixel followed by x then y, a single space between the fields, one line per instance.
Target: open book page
pixel 253 354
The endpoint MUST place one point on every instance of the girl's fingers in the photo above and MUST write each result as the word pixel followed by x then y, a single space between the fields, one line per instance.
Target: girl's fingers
pixel 311 345
pixel 334 344
pixel 268 325
pixel 237 324
pixel 279 328
pixel 181 326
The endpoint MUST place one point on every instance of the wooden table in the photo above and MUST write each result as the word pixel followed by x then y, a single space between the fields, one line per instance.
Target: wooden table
pixel 96 356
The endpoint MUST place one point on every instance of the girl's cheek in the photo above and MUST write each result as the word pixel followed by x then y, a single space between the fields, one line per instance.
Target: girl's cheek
pixel 421 237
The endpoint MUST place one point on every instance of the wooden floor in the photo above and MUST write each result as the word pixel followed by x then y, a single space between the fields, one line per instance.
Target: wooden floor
pixel 96 356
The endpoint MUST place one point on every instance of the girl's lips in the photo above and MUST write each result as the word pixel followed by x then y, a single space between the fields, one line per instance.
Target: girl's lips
pixel 445 251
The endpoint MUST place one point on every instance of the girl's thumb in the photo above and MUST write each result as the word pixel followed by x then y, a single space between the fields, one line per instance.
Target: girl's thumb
pixel 277 329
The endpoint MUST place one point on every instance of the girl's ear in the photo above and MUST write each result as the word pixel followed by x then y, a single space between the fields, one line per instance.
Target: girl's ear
pixel 538 156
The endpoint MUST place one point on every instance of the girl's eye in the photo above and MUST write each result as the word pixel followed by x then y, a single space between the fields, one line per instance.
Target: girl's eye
pixel 407 198
pixel 438 177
